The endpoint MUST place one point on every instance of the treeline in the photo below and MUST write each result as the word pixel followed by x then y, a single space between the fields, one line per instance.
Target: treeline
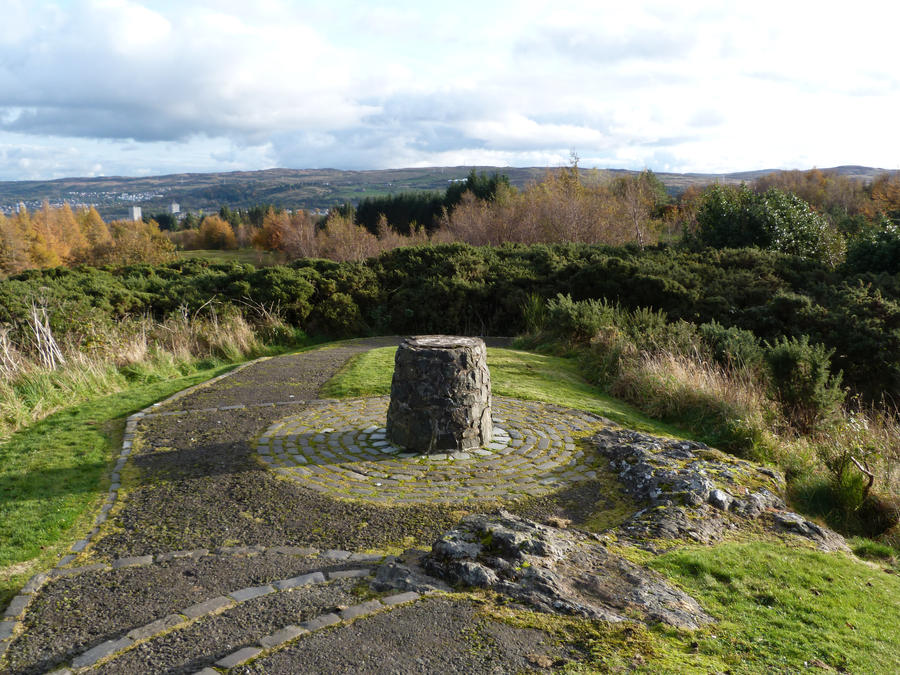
pixel 407 211
pixel 813 214
pixel 58 236
pixel 457 288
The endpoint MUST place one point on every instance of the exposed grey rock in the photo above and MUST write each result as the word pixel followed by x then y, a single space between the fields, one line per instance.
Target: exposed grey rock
pixel 697 493
pixel 797 524
pixel 393 575
pixel 720 499
pixel 440 394
pixel 556 570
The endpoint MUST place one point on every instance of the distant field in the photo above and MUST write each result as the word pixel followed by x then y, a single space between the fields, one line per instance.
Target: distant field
pixel 242 255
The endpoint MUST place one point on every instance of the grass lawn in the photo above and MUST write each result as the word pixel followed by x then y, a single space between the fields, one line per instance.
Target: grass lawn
pixel 782 608
pixel 241 255
pixel 519 374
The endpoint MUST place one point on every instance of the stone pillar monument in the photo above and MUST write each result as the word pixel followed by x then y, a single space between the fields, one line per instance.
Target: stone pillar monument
pixel 440 395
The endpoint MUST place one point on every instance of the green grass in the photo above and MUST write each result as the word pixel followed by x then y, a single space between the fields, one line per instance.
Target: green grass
pixel 519 374
pixel 55 473
pixel 779 608
pixel 242 255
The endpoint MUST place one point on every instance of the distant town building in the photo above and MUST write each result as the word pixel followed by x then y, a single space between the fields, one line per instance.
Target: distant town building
pixel 174 208
pixel 135 213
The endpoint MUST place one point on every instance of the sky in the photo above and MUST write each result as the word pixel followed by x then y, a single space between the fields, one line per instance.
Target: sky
pixel 145 87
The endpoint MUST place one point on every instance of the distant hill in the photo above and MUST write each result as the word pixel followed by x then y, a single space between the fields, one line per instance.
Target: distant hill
pixel 295 188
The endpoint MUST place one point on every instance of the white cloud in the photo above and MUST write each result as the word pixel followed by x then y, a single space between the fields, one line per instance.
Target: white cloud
pixel 91 86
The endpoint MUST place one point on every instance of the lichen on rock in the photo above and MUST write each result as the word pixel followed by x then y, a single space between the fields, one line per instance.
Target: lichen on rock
pixel 695 492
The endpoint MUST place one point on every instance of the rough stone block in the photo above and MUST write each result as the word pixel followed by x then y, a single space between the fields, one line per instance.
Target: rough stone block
pixel 440 395
pixel 6 629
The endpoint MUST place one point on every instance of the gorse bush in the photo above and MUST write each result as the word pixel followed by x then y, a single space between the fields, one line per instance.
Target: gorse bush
pixel 456 288
pixel 732 347
pixel 801 377
pixel 577 321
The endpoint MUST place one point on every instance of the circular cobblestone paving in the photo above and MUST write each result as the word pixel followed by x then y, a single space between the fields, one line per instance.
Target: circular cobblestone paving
pixel 340 448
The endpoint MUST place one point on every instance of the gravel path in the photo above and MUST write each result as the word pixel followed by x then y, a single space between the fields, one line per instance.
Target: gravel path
pixel 194 480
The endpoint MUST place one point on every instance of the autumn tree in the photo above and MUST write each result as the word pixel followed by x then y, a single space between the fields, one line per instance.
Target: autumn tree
pixel 14 245
pixel 294 233
pixel 135 242
pixel 216 233
pixel 885 196
pixel 93 229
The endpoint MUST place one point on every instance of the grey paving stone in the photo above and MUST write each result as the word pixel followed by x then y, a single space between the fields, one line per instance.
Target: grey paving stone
pixel 79 545
pixel 155 627
pixel 400 598
pixel 362 609
pixel 350 574
pixel 251 592
pixel 34 584
pixel 239 657
pixel 320 622
pixel 336 554
pixel 133 561
pixel 302 580
pixel 6 629
pixel 286 634
pixel 294 550
pixel 208 671
pixel 104 649
pixel 17 605
pixel 207 607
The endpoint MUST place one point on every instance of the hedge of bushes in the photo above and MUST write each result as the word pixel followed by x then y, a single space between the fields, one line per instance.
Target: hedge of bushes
pixel 457 288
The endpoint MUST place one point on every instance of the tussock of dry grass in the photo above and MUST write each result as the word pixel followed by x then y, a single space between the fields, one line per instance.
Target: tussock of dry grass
pixel 140 349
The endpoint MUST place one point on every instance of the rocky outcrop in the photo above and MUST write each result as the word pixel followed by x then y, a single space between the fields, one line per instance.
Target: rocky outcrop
pixel 440 394
pixel 556 570
pixel 698 493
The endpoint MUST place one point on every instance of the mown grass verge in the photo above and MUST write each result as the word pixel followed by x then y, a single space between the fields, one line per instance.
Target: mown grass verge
pixel 519 374
pixel 785 609
pixel 777 610
pixel 55 473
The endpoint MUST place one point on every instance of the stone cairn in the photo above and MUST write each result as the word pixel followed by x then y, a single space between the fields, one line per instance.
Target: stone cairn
pixel 440 395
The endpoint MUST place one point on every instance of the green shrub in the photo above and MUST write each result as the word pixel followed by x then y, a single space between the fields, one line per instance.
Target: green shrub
pixel 876 253
pixel 577 321
pixel 802 380
pixel 732 347
pixel 737 217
